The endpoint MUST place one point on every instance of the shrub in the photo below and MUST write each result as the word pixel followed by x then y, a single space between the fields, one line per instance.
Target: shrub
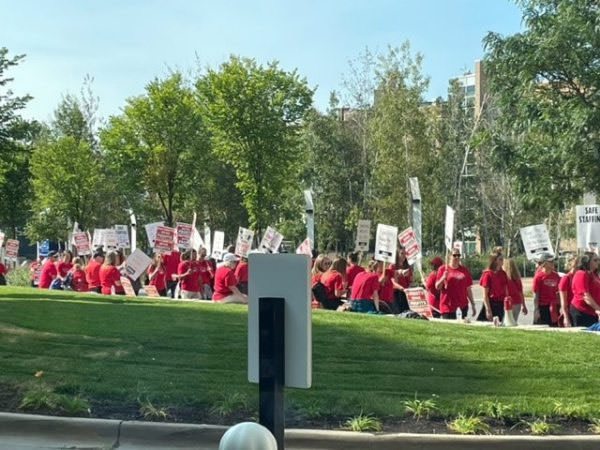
pixel 230 404
pixel 151 411
pixel 363 423
pixel 469 425
pixel 18 277
pixel 420 408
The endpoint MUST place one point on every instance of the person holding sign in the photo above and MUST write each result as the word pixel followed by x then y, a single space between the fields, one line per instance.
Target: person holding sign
pixel 585 307
pixel 454 282
pixel 189 276
pixel 565 292
pixel 495 289
pixel 157 275
pixel 545 292
pixel 226 290
pixel 334 280
pixel 110 277
pixel 433 294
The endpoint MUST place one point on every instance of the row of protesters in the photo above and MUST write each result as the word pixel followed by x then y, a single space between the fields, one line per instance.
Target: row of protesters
pixel 195 275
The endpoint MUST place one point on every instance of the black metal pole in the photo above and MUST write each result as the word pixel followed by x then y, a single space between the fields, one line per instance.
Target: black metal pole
pixel 272 366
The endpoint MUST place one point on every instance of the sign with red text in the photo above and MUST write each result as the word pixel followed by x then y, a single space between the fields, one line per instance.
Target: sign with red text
pixel 12 248
pixel 82 243
pixel 408 240
pixel 164 239
pixel 271 241
pixel 184 235
pixel 305 248
pixel 128 287
pixel 243 244
pixel 417 301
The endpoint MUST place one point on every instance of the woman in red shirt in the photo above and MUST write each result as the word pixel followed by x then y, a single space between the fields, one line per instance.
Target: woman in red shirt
pixel 353 269
pixel 401 275
pixel 320 266
pixel 3 272
pixel 495 289
pixel 241 273
pixel 49 272
pixel 545 293
pixel 64 267
pixel 515 288
pixel 157 275
pixel 433 294
pixel 207 275
pixel 364 295
pixel 454 283
pixel 78 279
pixel 189 276
pixel 566 293
pixel 334 280
pixel 585 307
pixel 226 290
pixel 110 277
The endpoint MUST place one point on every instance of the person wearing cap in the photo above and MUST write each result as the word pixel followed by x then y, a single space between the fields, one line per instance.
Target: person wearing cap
pixel 546 302
pixel 189 276
pixel 433 294
pixel 454 282
pixel 92 272
pixel 585 307
pixel 495 289
pixel 226 290
pixel 49 272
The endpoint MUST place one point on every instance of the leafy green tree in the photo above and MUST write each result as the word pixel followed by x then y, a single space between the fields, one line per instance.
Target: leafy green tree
pixel 254 114
pixel 546 82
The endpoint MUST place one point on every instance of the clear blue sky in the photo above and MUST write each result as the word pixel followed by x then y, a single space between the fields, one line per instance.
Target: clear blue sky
pixel 124 44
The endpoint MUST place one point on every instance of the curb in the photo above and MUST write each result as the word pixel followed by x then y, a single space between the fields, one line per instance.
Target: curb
pixel 28 432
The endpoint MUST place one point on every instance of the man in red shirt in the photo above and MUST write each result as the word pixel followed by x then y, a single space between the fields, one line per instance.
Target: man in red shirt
pixel 92 272
pixel 226 290
pixel 49 272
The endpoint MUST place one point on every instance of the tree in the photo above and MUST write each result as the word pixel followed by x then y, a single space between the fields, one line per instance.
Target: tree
pixel 254 115
pixel 546 81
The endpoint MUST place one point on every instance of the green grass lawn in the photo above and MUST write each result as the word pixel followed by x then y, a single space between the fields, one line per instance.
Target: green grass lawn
pixel 182 355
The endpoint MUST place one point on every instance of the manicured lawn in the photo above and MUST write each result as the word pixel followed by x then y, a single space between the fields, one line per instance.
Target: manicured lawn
pixel 193 355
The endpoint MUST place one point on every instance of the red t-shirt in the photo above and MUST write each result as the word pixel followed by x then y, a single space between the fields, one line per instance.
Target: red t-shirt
pixel 160 279
pixel 496 282
pixel 224 278
pixel 171 262
pixel 454 290
pixel 564 285
pixel 92 274
pixel 585 282
pixel 351 272
pixel 48 274
pixel 190 282
pixel 403 280
pixel 109 275
pixel 205 271
pixel 79 283
pixel 332 280
pixel 364 286
pixel 314 279
pixel 63 268
pixel 515 291
pixel 3 270
pixel 34 271
pixel 386 288
pixel 546 286
pixel 241 272
pixel 433 295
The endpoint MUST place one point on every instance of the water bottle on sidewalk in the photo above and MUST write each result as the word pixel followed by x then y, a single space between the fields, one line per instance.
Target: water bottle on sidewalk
pixel 459 316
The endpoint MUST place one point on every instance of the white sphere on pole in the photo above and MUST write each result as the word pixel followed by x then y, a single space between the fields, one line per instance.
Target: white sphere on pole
pixel 248 436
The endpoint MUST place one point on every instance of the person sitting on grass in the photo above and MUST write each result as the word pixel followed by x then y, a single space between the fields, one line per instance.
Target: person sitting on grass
pixel 92 272
pixel 241 273
pixel 49 271
pixel 364 296
pixel 64 267
pixel 353 269
pixel 226 290
pixel 335 284
pixel 110 277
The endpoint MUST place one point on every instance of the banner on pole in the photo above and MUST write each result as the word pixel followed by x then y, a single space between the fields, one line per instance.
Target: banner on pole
pixel 243 244
pixel 363 236
pixel 536 240
pixel 12 249
pixel 449 228
pixel 386 243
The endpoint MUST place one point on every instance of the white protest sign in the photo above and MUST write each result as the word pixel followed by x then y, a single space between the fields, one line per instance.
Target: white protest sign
pixel 386 243
pixel 207 241
pixel 2 236
pixel 122 236
pixel 417 301
pixel 110 238
pixel 218 243
pixel 271 241
pixel 12 248
pixel 98 239
pixel 587 218
pixel 184 235
pixel 536 240
pixel 151 231
pixel 243 244
pixel 408 240
pixel 363 236
pixel 127 287
pixel 305 248
pixel 449 228
pixel 82 243
pixel 458 245
pixel 164 239
pixel 136 264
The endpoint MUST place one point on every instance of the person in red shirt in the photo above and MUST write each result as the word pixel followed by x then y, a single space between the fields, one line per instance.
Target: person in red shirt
pixel 171 262
pixel 78 278
pixel 110 277
pixel 241 273
pixel 92 272
pixel 226 290
pixel 515 288
pixel 495 289
pixel 433 294
pixel 545 293
pixel 3 272
pixel 454 282
pixel 566 293
pixel 64 267
pixel 585 307
pixel 49 271
pixel 353 269
pixel 335 284
pixel 206 275
pixel 402 279
pixel 320 266
pixel 157 275
pixel 365 289
pixel 189 276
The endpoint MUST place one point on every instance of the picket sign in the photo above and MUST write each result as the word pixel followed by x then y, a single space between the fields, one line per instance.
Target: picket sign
pixel 587 218
pixel 271 241
pixel 136 264
pixel 408 240
pixel 12 249
pixel 305 248
pixel 164 239
pixel 218 243
pixel 151 231
pixel 128 287
pixel 122 236
pixel 536 240
pixel 449 228
pixel 417 301
pixel 363 236
pixel 82 243
pixel 151 291
pixel 184 233
pixel 386 243
pixel 243 244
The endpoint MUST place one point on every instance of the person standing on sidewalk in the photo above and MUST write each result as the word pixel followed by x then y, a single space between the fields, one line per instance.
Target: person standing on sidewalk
pixel 495 289
pixel 515 288
pixel 454 282
pixel 565 292
pixel 585 307
pixel 545 292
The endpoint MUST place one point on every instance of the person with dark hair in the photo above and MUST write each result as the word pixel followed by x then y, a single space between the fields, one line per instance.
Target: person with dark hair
pixel 171 263
pixel 433 294
pixel 110 277
pixel 207 275
pixel 495 289
pixel 401 274
pixel 353 269
pixel 334 280
pixel 92 272
pixel 189 276
pixel 49 272
pixel 545 292
pixel 78 279
pixel 64 267
pixel 515 288
pixel 565 292
pixel 365 296
pixel 241 274
pixel 454 282
pixel 157 275
pixel 585 307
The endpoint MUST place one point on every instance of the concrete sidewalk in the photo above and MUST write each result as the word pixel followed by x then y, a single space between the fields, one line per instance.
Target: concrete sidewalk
pixel 29 432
